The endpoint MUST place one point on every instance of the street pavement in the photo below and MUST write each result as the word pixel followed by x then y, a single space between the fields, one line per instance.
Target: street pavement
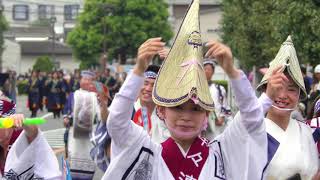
pixel 53 130
pixel 51 123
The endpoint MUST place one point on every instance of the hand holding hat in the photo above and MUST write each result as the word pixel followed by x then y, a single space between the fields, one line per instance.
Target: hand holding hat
pixel 146 52
pixel 164 53
pixel 223 55
pixel 276 81
pixel 288 60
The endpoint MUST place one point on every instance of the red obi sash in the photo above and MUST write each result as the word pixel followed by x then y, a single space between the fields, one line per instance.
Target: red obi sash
pixel 143 119
pixel 188 167
pixel 16 133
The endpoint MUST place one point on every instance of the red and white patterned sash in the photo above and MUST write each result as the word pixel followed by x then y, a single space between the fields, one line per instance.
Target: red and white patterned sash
pixel 142 116
pixel 188 167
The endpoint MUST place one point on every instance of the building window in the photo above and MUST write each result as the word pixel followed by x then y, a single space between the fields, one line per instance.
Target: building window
pixel 45 11
pixel 20 12
pixel 71 11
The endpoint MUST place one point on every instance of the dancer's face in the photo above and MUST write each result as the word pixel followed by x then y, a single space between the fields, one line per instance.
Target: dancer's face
pixel 146 90
pixel 287 97
pixel 209 71
pixel 86 83
pixel 184 122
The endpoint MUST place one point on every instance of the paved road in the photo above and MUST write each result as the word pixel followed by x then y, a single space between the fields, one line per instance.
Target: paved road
pixel 50 125
pixel 53 130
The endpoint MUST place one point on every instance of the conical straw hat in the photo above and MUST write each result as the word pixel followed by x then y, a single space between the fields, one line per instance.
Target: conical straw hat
pixel 286 57
pixel 181 76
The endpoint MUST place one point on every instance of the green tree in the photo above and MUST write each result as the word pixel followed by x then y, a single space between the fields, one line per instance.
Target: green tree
pixel 3 27
pixel 130 24
pixel 255 29
pixel 44 64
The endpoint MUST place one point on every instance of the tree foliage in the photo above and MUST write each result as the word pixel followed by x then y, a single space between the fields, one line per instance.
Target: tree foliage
pixel 255 29
pixel 129 24
pixel 43 64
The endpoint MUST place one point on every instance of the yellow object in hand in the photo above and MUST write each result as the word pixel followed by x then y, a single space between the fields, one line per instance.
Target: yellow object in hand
pixel 6 122
pixel 9 122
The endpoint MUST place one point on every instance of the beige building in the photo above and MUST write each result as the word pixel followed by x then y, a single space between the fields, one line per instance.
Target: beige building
pixel 11 56
pixel 31 24
pixel 209 24
pixel 210 15
pixel 39 13
pixel 39 27
pixel 32 50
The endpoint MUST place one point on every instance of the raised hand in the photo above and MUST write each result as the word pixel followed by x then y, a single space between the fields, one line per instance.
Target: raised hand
pixel 164 53
pixel 223 55
pixel 145 54
pixel 30 131
pixel 276 81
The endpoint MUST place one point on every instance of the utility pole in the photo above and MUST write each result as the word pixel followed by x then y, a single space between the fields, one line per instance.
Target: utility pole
pixel 53 20
pixel 1 31
pixel 107 8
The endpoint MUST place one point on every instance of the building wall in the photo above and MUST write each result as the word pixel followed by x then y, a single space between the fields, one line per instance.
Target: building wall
pixel 209 24
pixel 202 2
pixel 66 62
pixel 210 16
pixel 180 10
pixel 33 11
pixel 177 9
pixel 11 56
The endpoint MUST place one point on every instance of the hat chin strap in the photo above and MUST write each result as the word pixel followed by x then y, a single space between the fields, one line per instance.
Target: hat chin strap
pixel 286 109
pixel 283 109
